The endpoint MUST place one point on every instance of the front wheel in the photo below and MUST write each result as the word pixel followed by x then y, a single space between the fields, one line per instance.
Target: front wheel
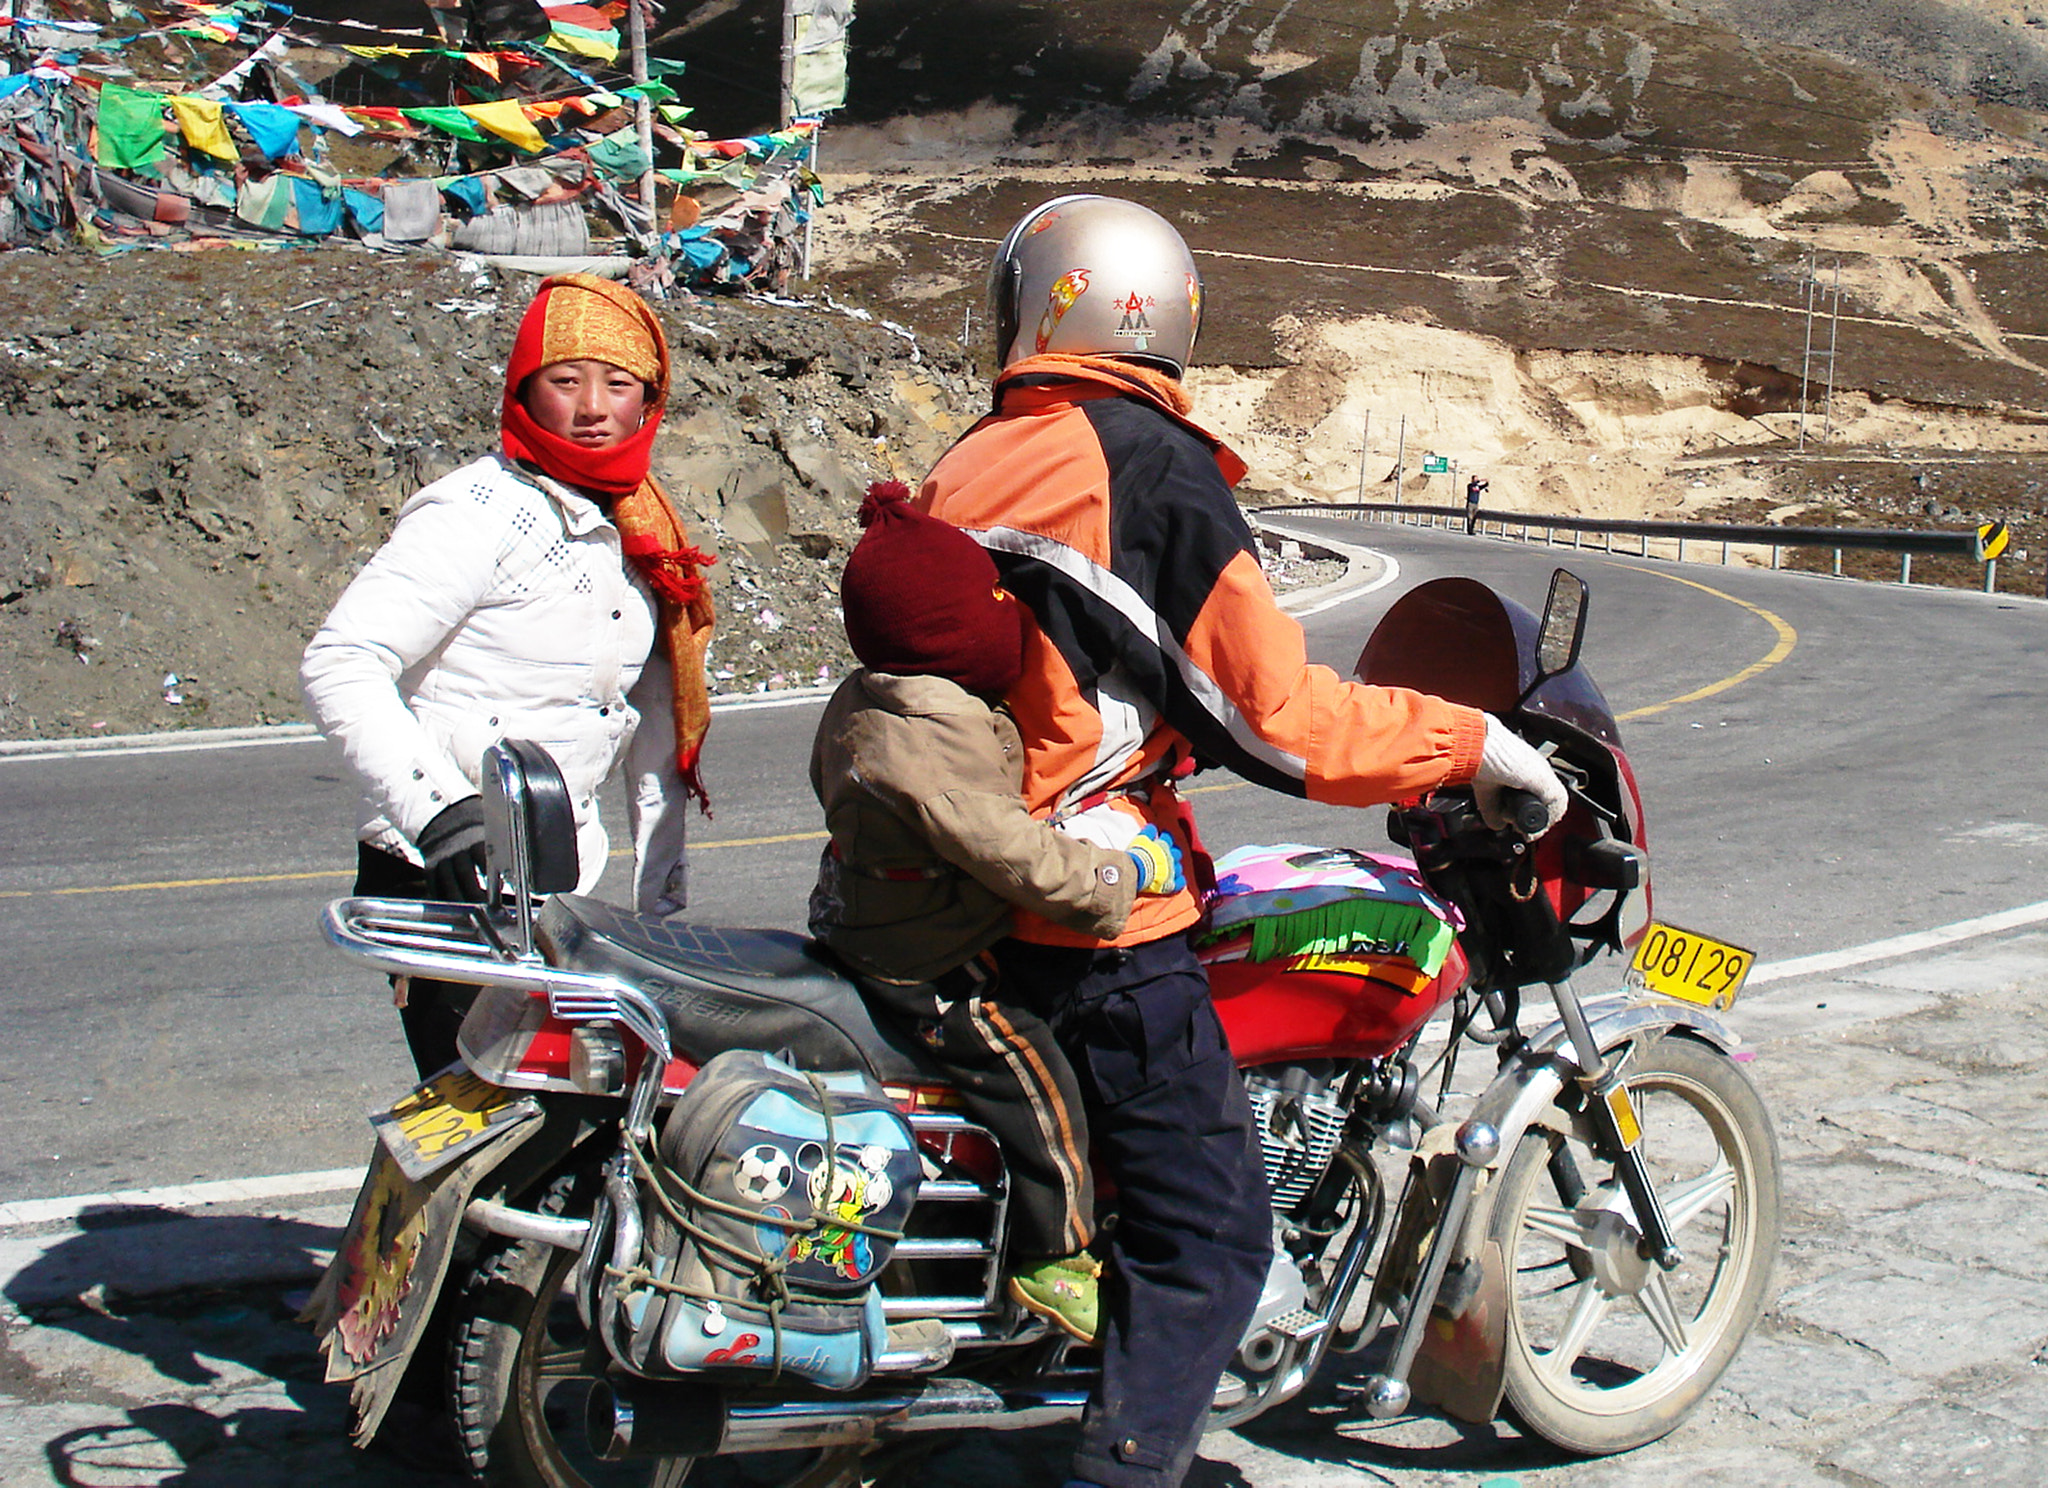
pixel 1605 1350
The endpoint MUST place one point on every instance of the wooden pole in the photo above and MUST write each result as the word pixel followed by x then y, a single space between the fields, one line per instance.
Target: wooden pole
pixel 786 107
pixel 643 108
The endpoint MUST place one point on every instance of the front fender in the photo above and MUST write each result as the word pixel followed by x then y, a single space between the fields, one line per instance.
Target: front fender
pixel 1525 1088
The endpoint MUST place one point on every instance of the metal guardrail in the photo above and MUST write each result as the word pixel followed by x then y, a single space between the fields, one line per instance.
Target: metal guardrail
pixel 1904 541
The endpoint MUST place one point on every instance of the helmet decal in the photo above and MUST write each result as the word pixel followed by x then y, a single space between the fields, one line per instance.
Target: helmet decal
pixel 1194 304
pixel 1135 325
pixel 1066 289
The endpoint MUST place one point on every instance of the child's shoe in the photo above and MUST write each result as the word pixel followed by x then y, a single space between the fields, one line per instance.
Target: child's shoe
pixel 1065 1291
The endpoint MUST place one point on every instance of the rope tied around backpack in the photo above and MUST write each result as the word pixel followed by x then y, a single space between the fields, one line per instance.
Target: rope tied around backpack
pixel 682 1202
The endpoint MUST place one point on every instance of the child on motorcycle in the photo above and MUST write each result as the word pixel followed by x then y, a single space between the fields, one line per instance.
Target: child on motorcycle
pixel 932 848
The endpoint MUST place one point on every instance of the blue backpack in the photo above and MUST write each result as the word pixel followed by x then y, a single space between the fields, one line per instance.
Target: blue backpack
pixel 776 1198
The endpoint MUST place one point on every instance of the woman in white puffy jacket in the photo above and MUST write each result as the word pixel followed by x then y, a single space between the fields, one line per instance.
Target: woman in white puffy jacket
pixel 544 592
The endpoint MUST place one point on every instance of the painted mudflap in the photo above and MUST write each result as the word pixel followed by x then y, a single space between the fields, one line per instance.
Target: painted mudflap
pixel 378 1292
pixel 1462 1365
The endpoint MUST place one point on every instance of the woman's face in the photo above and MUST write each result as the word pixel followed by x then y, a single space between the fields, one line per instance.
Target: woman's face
pixel 593 404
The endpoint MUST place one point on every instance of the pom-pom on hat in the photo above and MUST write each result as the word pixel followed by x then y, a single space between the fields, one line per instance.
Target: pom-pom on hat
pixel 921 599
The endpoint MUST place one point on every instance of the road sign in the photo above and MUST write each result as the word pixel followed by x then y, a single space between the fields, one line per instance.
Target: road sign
pixel 1992 538
pixel 1436 464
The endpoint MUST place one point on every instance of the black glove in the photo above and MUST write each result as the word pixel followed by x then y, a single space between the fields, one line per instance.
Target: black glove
pixel 453 846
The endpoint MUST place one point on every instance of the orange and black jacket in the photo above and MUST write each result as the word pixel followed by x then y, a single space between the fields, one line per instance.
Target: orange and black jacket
pixel 1109 513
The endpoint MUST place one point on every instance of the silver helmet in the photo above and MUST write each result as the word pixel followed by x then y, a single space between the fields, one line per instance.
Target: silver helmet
pixel 1095 276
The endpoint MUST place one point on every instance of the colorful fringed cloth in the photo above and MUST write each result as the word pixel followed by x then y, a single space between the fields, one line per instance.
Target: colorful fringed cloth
pixel 1328 909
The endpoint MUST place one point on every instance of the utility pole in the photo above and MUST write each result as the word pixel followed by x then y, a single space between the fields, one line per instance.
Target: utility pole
pixel 1814 294
pixel 1400 455
pixel 1364 447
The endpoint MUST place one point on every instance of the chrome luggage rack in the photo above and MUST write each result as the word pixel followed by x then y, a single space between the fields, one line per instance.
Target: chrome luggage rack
pixel 466 943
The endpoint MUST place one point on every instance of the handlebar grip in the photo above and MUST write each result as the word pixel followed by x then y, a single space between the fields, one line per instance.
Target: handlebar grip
pixel 1526 813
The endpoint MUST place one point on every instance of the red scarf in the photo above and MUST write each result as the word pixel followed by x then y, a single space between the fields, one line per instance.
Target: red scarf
pixel 579 317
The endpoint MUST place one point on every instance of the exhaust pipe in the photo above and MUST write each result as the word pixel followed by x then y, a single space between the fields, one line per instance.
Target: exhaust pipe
pixel 630 1418
pixel 678 1421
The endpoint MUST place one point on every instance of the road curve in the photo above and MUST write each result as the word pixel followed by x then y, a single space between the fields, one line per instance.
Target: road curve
pixel 1826 764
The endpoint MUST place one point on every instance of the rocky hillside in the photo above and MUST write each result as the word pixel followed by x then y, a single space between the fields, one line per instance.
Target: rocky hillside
pixel 197 451
pixel 1603 259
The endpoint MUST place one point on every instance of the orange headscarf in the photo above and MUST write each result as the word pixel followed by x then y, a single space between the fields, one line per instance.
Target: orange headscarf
pixel 580 317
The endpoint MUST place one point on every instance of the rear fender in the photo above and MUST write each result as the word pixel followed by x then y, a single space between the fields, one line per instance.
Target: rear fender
pixel 372 1306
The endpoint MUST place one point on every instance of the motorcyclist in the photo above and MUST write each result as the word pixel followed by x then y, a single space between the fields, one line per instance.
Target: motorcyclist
pixel 1157 642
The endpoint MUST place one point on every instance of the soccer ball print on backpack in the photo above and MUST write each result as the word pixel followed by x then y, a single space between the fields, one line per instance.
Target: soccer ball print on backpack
pixel 775 1199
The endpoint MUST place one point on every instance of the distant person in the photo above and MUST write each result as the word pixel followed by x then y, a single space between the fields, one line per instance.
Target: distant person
pixel 1475 489
pixel 1156 642
pixel 546 592
pixel 919 771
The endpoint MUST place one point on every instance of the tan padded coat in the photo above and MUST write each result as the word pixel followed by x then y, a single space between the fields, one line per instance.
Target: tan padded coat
pixel 931 844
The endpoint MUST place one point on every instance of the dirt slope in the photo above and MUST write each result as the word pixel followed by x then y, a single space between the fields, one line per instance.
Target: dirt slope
pixel 196 452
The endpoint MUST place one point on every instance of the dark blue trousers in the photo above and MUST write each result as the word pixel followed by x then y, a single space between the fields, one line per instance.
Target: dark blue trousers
pixel 1193 1234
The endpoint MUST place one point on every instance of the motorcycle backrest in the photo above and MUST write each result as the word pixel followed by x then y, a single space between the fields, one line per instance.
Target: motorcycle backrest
pixel 529 824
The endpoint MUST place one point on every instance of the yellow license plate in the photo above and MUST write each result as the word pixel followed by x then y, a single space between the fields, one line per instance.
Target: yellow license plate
pixel 1689 966
pixel 446 1117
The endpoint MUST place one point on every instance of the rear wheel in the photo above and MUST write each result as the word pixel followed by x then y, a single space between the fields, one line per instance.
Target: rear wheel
pixel 522 1370
pixel 1606 1350
pixel 522 1377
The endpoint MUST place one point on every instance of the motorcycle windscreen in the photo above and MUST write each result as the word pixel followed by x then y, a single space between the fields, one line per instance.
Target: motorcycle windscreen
pixel 1457 639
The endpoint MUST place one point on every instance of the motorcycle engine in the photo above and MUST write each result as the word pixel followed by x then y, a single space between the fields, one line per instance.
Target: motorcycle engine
pixel 1300 1123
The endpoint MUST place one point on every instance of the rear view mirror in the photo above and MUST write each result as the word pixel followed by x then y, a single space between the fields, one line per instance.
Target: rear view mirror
pixel 1564 625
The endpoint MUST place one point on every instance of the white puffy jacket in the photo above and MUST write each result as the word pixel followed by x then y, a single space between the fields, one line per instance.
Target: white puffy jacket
pixel 501 607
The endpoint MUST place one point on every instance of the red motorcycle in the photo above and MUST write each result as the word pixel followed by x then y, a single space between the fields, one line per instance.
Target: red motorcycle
pixel 1585 1238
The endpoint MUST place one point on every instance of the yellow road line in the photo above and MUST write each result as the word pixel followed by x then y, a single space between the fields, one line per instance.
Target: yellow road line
pixel 172 883
pixel 264 878
pixel 1787 639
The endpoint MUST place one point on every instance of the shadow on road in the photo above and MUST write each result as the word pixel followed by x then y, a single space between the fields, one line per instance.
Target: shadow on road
pixel 1328 1425
pixel 220 1386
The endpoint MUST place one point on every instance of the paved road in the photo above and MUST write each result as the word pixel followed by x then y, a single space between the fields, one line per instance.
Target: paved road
pixel 1829 765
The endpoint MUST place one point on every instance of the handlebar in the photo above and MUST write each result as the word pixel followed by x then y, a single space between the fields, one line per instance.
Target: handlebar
pixel 1526 814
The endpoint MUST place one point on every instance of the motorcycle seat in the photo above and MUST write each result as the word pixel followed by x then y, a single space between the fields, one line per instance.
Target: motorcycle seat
pixel 721 988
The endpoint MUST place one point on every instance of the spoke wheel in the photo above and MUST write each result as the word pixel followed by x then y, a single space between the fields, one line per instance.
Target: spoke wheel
pixel 1605 1350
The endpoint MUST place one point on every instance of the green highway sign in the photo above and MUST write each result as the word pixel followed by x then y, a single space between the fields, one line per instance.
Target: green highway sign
pixel 1435 464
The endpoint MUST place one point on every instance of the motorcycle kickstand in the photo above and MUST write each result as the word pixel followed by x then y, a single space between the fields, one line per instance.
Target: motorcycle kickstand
pixel 1387 1394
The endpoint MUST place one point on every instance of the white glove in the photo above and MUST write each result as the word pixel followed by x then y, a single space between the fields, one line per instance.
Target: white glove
pixel 1506 763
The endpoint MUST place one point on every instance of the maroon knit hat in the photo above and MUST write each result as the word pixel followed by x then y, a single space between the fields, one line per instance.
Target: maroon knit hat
pixel 921 599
